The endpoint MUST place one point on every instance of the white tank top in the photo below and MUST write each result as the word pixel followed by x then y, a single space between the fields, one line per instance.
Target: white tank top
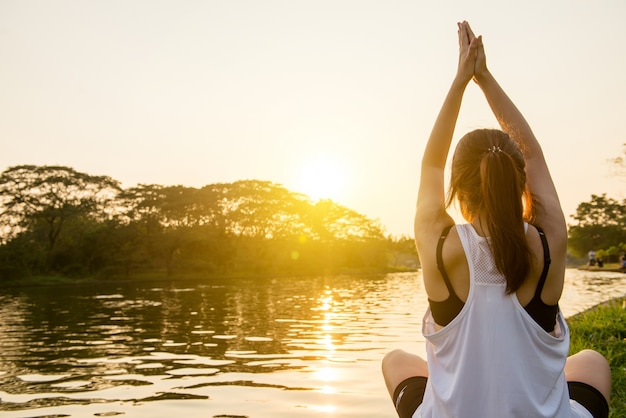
pixel 493 360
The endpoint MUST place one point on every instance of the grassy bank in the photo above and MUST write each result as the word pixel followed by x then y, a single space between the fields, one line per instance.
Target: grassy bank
pixel 603 328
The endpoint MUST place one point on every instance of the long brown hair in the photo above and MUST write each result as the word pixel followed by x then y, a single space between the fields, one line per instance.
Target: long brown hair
pixel 489 180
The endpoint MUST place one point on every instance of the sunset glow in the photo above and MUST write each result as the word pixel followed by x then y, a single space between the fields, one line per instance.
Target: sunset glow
pixel 322 177
pixel 331 100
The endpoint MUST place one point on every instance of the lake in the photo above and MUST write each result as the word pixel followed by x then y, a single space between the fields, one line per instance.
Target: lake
pixel 262 348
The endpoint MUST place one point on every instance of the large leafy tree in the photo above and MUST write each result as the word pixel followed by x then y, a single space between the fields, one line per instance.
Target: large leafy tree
pixel 57 219
pixel 262 209
pixel 42 200
pixel 600 224
pixel 329 220
pixel 158 220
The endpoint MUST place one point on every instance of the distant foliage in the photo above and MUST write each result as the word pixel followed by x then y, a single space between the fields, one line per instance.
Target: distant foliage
pixel 600 226
pixel 55 220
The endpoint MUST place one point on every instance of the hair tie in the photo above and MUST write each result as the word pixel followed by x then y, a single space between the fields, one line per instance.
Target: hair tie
pixel 494 148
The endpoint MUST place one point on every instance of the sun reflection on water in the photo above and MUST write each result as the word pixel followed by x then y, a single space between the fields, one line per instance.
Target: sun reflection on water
pixel 328 390
pixel 326 374
pixel 309 347
pixel 329 409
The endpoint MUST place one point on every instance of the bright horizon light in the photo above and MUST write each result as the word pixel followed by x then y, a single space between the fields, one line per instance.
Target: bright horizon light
pixel 335 102
pixel 322 177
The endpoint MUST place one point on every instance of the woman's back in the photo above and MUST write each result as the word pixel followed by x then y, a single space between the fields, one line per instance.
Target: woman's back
pixel 484 362
pixel 456 266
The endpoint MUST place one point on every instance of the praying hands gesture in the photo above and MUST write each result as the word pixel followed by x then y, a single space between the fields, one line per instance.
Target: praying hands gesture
pixel 471 53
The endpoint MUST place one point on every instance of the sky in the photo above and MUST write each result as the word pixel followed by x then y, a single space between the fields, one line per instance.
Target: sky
pixel 331 98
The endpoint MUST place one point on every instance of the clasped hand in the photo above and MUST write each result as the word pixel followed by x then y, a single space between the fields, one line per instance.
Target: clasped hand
pixel 472 60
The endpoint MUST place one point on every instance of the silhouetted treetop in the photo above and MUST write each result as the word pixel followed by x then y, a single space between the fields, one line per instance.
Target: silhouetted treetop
pixel 56 219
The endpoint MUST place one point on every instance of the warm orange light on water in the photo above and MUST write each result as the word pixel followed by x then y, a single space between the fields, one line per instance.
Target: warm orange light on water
pixel 326 374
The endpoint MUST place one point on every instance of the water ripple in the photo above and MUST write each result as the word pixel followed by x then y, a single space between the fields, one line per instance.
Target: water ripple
pixel 264 348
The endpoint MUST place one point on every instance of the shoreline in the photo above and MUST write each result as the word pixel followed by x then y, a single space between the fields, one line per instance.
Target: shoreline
pixel 41 281
pixel 37 281
pixel 604 304
pixel 601 269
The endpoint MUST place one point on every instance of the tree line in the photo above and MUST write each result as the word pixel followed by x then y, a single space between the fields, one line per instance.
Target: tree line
pixel 600 224
pixel 55 220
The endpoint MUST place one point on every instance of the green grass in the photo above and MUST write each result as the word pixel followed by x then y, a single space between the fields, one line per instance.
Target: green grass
pixel 603 328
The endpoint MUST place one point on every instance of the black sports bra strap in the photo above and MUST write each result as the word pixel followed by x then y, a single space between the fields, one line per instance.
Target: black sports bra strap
pixel 546 262
pixel 440 266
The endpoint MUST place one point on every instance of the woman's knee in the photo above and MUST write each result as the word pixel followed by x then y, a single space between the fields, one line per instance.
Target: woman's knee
pixel 393 357
pixel 590 359
pixel 401 360
pixel 592 368
pixel 399 365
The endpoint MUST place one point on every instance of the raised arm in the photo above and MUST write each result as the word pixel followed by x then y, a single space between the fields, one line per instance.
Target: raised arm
pixel 430 212
pixel 548 211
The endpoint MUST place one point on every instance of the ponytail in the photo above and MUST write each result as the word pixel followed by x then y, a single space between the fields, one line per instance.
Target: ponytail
pixel 502 185
pixel 489 178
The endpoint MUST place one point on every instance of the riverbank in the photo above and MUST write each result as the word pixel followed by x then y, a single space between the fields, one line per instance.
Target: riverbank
pixel 608 267
pixel 602 269
pixel 602 328
pixel 159 277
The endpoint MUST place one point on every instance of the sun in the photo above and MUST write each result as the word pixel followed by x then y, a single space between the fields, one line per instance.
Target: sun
pixel 322 177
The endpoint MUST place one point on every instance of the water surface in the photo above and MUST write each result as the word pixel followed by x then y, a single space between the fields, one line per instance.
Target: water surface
pixel 264 348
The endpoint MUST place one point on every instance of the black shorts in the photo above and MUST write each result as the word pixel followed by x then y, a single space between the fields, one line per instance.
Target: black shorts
pixel 409 395
pixel 590 398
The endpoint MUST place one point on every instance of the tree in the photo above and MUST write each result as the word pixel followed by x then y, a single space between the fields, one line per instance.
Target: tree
pixel 601 224
pixel 41 199
pixel 177 227
pixel 262 209
pixel 58 220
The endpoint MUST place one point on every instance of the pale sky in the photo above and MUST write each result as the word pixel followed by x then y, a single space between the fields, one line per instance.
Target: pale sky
pixel 200 92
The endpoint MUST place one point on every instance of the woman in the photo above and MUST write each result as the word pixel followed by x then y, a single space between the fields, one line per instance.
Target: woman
pixel 496 341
